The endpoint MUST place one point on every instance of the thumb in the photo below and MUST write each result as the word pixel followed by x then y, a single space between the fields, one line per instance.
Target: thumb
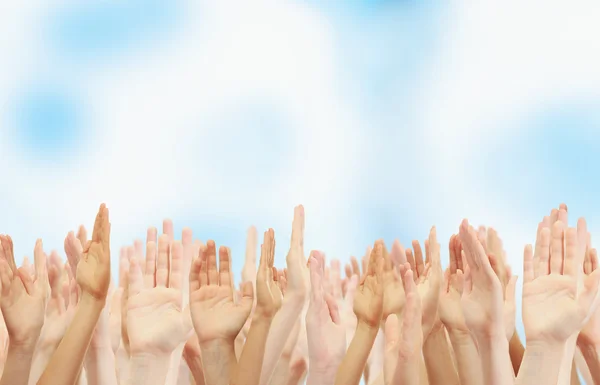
pixel 26 279
pixel 589 297
pixel 509 294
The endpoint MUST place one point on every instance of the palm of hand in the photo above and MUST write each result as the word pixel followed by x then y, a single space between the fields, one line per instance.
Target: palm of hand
pixel 540 299
pixel 215 315
pixel 429 293
pixel 268 297
pixel 327 342
pixel 156 321
pixel 23 313
pixel 393 295
pixel 480 308
pixel 54 329
pixel 93 277
pixel 450 310
pixel 368 306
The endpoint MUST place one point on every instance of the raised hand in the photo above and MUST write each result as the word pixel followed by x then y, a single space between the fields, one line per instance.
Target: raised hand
pixel 23 300
pixel 268 294
pixel 93 270
pixel 403 344
pixel 325 331
pixel 590 334
pixel 368 299
pixel 393 292
pixel 249 269
pixel 297 274
pixel 482 304
pixel 429 279
pixel 214 313
pixel 554 307
pixel 156 320
pixel 450 310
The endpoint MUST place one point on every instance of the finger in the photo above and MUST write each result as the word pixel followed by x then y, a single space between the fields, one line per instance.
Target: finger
pixel 348 271
pixel 334 311
pixel 398 253
pixel 168 229
pixel 162 261
pixel 6 277
pixel 151 235
pixel 387 260
pixel 510 289
pixel 123 266
pixel 470 252
pixel 543 265
pixel 408 282
pixel 195 275
pixel 557 252
pixel 7 248
pixel 316 262
pixel 563 217
pixel 528 265
pixel 188 248
pixel 453 264
pixel 418 258
pixel 594 259
pixel 482 236
pixel 136 279
pixel 39 260
pixel 297 241
pixel 176 273
pixel 355 268
pixel 224 267
pixel 553 217
pixel 411 260
pixel 571 262
pixel 271 249
pixel 150 270
pixel 211 262
pixel 82 236
pixel 203 265
pixel 467 281
pixel 26 280
pixel 433 256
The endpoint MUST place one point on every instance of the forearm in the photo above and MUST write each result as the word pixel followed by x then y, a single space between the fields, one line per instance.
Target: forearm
pixel 495 359
pixel 438 359
pixel 122 365
pixel 148 369
pixel 218 361
pixel 100 366
pixel 17 365
pixel 282 323
pixel 194 362
pixel 591 354
pixel 541 364
pixel 516 351
pixel 253 353
pixel 173 373
pixel 41 357
pixel 353 364
pixel 281 372
pixel 467 358
pixel 564 376
pixel 66 362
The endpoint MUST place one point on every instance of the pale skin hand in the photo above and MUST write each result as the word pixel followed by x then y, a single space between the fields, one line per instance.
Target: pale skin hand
pixel 23 303
pixel 325 331
pixel 268 302
pixel 482 304
pixel 403 343
pixel 368 307
pixel 393 291
pixel 93 277
pixel 451 315
pixel 156 321
pixel 217 319
pixel 294 299
pixel 429 281
pixel 249 269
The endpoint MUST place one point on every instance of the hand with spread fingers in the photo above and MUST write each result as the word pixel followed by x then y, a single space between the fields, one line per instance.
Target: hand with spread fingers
pixel 156 319
pixel 23 301
pixel 325 331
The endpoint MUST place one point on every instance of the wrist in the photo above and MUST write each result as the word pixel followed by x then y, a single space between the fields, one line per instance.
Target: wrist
pixel 24 350
pixel 366 328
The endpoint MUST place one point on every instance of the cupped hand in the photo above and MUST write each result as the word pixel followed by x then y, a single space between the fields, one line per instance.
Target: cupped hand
pixel 23 300
pixel 368 299
pixel 215 314
pixel 156 319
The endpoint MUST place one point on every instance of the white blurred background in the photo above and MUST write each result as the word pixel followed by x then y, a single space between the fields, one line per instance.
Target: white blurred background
pixel 382 117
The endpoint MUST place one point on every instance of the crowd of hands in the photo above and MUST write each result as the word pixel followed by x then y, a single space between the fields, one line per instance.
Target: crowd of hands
pixel 394 317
